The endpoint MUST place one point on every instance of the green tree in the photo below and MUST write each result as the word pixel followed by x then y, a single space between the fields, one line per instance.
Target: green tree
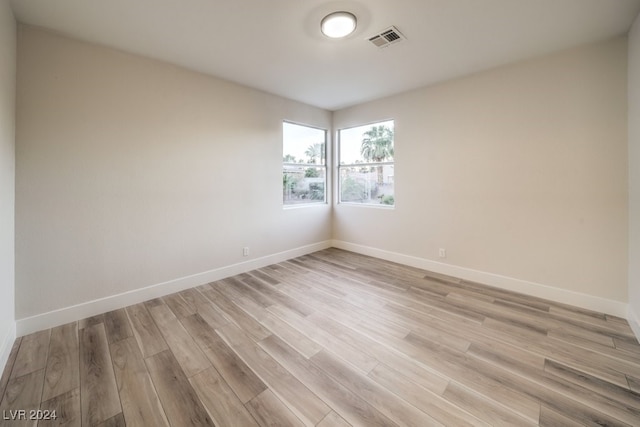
pixel 315 152
pixel 311 173
pixel 289 158
pixel 377 146
pixel 352 190
pixel 289 183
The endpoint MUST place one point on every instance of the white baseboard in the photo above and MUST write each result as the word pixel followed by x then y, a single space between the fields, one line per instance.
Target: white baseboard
pixel 91 308
pixel 564 296
pixel 6 344
pixel 634 321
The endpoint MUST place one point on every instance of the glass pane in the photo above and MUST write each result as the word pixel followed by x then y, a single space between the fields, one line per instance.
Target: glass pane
pixel 367 144
pixel 303 144
pixel 303 185
pixel 371 185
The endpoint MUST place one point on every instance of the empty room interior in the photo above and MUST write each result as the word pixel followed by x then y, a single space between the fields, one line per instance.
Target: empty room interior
pixel 201 221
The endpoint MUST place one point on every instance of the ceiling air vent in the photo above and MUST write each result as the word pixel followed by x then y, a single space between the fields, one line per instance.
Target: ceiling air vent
pixel 387 37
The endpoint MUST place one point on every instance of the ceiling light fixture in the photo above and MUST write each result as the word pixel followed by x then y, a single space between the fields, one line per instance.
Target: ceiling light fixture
pixel 338 24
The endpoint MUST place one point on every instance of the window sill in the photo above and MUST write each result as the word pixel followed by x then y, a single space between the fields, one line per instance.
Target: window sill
pixel 303 205
pixel 368 205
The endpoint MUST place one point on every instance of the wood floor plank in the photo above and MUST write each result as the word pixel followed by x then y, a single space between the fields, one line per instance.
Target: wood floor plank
pixel 630 346
pixel 91 321
pixel 242 380
pixel 504 294
pixel 184 348
pixel 345 350
pixel 352 330
pixel 179 400
pixel 235 313
pixel 380 324
pixel 332 338
pixel 455 365
pixel 555 392
pixel 208 311
pixel 153 303
pixel 115 421
pixel 333 420
pixel 145 330
pixel 604 388
pixel 179 306
pixel 551 418
pixel 313 281
pixel 23 393
pixel 422 303
pixel 250 307
pixel 576 335
pixel 344 284
pixel 233 288
pixel 380 352
pixel 32 355
pixel 117 325
pixel 277 297
pixel 605 350
pixel 442 277
pixel 590 320
pixel 494 351
pixel 602 366
pixel 260 274
pixel 277 326
pixel 422 398
pixel 490 412
pixel 290 335
pixel 193 298
pixel 11 360
pixel 98 390
pixel 222 404
pixel 520 306
pixel 347 404
pixel 140 403
pixel 488 310
pixel 305 404
pixel 375 394
pixel 360 293
pixel 268 410
pixel 307 295
pixel 63 367
pixel 445 287
pixel 62 410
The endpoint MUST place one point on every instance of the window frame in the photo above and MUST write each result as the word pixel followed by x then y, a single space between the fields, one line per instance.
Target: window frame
pixel 323 165
pixel 340 166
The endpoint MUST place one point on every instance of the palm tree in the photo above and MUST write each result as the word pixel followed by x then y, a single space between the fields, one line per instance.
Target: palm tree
pixel 377 146
pixel 314 152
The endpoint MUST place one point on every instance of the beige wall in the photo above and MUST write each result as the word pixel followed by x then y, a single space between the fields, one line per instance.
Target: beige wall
pixel 133 172
pixel 634 175
pixel 520 172
pixel 7 174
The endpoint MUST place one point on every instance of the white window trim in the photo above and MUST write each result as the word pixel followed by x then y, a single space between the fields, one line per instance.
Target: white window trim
pixel 324 166
pixel 338 189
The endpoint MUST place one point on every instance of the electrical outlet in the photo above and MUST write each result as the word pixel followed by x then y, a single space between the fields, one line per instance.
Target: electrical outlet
pixel 442 253
pixel 245 251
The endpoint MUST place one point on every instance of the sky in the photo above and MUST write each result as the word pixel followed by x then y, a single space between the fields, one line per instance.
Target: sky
pixel 297 138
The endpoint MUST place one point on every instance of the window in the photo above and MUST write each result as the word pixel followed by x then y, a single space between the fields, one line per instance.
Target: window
pixel 304 168
pixel 365 166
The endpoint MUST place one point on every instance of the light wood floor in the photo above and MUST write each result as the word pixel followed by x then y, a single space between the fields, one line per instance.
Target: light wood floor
pixel 331 339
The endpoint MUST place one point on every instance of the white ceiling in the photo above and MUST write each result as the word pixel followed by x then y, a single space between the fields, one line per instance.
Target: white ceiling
pixel 276 45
